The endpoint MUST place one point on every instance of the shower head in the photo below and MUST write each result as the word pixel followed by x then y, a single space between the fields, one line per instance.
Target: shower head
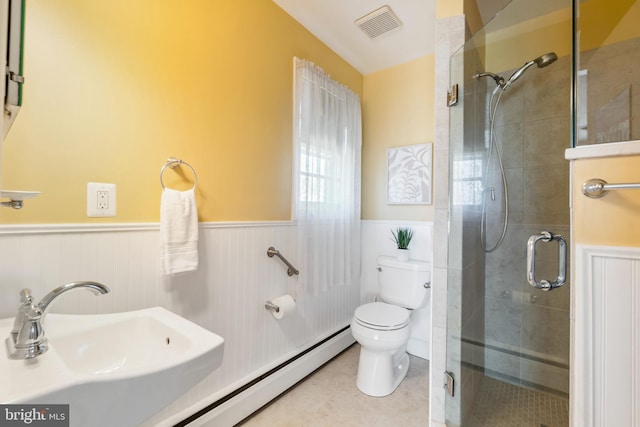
pixel 541 62
pixel 499 80
pixel 546 59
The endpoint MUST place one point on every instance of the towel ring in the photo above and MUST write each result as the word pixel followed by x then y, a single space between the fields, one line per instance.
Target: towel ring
pixel 173 163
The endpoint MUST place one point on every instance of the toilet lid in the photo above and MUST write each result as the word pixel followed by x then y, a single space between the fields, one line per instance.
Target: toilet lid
pixel 379 315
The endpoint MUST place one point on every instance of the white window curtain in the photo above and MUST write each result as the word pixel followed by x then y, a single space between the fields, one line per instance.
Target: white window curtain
pixel 327 146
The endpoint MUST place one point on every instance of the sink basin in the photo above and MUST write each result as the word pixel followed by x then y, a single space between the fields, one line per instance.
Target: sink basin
pixel 112 369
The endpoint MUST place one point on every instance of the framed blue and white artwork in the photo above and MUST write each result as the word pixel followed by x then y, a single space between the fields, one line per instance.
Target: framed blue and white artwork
pixel 409 175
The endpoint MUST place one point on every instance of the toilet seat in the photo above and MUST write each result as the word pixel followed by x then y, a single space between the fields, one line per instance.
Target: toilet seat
pixel 381 316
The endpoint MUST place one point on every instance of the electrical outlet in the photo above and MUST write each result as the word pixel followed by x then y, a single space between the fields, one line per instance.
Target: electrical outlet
pixel 101 199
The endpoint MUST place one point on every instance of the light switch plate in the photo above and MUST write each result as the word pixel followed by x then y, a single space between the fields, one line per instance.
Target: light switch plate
pixel 101 199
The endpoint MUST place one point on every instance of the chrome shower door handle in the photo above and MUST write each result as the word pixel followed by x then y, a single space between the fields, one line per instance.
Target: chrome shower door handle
pixel 545 285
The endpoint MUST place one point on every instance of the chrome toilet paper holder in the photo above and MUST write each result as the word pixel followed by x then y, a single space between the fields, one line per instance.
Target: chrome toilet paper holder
pixel 271 306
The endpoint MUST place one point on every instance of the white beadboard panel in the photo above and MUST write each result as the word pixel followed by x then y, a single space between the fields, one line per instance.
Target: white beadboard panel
pixel 607 337
pixel 225 295
pixel 377 240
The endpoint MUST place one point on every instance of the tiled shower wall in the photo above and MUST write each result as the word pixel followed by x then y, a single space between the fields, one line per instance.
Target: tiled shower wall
pixel 226 295
pixel 497 324
pixel 527 330
pixel 611 97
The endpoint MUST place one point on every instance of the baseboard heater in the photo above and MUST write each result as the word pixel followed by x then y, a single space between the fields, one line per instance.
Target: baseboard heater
pixel 244 401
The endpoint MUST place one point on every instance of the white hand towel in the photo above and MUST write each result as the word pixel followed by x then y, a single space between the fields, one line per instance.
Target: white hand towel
pixel 179 231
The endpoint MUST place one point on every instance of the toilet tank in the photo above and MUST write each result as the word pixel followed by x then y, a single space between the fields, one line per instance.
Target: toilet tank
pixel 403 282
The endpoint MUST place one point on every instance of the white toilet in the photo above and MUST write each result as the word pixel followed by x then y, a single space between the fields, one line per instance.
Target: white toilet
pixel 386 330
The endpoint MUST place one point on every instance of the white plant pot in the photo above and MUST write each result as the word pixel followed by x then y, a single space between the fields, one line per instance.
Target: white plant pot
pixel 403 254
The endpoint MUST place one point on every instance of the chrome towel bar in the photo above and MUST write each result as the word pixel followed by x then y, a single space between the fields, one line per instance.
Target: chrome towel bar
pixel 596 187
pixel 291 269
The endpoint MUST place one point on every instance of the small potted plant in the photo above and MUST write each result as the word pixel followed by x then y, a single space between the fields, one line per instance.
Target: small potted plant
pixel 402 237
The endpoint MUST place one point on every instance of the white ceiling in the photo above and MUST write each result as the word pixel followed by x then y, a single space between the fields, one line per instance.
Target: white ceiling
pixel 333 22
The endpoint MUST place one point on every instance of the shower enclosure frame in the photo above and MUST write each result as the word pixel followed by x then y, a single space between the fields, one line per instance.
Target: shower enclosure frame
pixel 473 349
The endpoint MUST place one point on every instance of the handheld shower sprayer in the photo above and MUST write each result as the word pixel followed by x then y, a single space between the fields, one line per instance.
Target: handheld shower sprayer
pixel 494 101
pixel 541 61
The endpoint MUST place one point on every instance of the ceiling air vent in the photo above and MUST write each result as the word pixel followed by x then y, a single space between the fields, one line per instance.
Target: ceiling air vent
pixel 378 22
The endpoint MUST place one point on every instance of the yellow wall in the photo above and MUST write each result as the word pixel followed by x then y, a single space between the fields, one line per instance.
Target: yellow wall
pixel 398 107
pixel 114 88
pixel 605 22
pixel 472 16
pixel 602 22
pixel 613 219
pixel 446 8
pixel 513 46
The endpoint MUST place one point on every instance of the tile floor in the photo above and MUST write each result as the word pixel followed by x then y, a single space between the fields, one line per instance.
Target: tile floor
pixel 329 397
pixel 505 405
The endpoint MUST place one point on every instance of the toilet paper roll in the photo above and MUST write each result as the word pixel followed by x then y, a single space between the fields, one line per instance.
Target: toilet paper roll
pixel 287 306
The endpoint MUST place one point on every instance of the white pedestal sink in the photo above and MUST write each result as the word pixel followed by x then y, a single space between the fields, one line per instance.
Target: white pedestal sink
pixel 112 369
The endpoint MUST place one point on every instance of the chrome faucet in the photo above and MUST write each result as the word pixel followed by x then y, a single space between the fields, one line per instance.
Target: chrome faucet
pixel 27 339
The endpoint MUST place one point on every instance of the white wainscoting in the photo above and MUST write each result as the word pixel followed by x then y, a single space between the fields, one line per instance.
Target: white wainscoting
pixel 226 295
pixel 606 379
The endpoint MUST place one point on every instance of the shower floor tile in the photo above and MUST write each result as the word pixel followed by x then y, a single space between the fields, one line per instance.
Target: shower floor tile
pixel 502 404
pixel 329 397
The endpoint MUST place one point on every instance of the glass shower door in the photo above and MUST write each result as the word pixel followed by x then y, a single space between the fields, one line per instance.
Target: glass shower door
pixel 508 341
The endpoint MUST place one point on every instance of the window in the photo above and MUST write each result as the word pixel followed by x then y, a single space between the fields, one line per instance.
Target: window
pixel 327 144
pixel 313 176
